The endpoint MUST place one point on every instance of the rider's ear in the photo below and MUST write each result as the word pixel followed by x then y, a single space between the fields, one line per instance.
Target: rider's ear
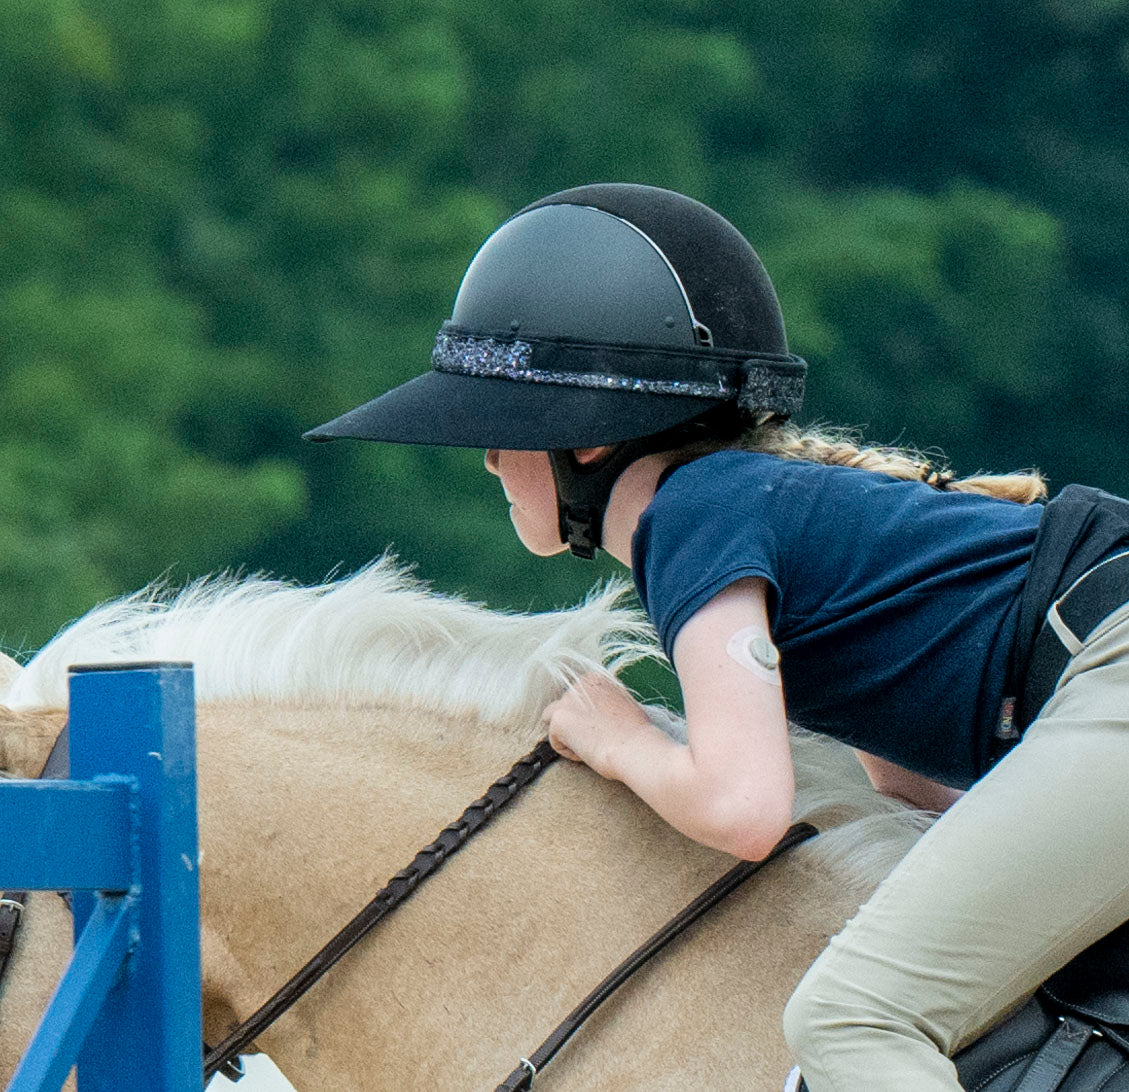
pixel 586 456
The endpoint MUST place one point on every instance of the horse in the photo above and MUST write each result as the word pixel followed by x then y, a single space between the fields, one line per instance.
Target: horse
pixel 339 728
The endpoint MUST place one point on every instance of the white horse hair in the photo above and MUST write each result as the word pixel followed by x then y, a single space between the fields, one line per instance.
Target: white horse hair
pixel 376 635
pixel 9 671
pixel 380 634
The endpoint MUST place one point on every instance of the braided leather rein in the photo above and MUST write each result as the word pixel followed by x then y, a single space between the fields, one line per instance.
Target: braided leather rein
pixel 522 1077
pixel 426 861
pixel 451 839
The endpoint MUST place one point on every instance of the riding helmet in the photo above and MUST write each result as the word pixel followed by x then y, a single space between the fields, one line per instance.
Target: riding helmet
pixel 613 314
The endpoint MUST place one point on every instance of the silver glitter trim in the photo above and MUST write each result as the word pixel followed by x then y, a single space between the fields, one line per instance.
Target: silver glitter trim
pixel 771 390
pixel 480 356
pixel 488 357
pixel 763 387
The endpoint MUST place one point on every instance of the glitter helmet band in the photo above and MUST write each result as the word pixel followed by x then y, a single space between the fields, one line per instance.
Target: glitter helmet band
pixel 764 383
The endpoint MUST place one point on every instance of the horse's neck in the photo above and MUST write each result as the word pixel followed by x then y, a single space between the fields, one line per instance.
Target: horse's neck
pixel 375 783
pixel 305 813
pixel 26 739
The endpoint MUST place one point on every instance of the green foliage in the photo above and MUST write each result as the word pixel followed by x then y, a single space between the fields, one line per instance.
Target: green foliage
pixel 928 314
pixel 222 222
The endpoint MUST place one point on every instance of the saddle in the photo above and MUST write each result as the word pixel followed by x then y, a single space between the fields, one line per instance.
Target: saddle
pixel 1071 1036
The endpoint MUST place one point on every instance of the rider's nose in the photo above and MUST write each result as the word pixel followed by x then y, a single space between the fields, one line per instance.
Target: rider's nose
pixel 491 461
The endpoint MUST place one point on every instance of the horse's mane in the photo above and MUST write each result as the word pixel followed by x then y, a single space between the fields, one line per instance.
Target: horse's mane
pixel 376 635
pixel 381 635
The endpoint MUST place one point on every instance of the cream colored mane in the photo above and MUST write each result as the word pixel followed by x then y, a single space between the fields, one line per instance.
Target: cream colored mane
pixel 376 635
pixel 9 672
pixel 380 635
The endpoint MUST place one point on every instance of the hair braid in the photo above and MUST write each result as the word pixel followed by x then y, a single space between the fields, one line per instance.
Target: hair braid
pixel 842 448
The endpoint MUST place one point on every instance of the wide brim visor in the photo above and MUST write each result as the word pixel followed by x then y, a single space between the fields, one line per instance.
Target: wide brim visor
pixel 492 412
pixel 538 394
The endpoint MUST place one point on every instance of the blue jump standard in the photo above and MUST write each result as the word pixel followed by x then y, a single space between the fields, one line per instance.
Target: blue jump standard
pixel 120 834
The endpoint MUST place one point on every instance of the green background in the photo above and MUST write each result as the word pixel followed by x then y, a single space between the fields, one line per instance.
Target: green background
pixel 222 223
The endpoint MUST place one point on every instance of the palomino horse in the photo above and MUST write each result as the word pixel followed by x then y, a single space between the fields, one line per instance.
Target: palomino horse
pixel 339 729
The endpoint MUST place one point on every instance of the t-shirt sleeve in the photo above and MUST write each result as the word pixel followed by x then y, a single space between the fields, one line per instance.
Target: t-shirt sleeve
pixel 687 549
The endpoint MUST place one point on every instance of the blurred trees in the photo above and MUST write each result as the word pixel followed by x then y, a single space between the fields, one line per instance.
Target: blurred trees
pixel 223 222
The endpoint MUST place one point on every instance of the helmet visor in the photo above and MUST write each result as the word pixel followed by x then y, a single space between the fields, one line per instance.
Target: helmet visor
pixel 494 412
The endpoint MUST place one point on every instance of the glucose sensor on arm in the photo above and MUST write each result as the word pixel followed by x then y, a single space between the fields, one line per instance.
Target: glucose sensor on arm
pixel 753 649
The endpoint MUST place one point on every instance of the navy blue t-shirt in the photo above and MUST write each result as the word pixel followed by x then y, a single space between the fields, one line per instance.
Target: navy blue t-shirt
pixel 894 604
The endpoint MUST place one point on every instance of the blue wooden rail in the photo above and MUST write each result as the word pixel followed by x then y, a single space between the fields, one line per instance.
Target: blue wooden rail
pixel 120 834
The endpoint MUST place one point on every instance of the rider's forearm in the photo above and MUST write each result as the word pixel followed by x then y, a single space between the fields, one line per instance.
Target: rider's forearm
pixel 733 806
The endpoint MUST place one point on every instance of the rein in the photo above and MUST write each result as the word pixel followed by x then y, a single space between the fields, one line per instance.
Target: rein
pixel 426 861
pixel 451 839
pixel 523 773
pixel 522 1077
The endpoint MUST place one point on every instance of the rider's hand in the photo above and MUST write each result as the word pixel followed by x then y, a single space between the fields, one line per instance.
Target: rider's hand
pixel 593 721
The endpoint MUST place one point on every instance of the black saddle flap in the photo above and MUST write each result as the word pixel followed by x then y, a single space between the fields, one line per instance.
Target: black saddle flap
pixel 1096 982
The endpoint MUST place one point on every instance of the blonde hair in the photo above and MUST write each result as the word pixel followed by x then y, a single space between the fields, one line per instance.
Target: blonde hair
pixel 840 447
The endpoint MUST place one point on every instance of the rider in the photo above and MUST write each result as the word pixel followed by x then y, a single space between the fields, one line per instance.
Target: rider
pixel 620 352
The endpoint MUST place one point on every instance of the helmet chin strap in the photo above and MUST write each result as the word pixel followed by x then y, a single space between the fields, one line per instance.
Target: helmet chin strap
pixel 583 490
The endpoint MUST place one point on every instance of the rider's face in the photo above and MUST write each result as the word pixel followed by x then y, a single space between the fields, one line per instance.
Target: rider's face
pixel 528 484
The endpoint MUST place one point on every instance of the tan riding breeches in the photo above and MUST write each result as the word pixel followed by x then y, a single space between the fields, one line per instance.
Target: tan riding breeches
pixel 1022 873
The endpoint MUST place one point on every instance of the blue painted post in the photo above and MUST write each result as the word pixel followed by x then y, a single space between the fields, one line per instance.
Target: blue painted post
pixel 120 834
pixel 139 721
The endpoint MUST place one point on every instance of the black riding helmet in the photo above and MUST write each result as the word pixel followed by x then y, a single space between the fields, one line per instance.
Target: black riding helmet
pixel 606 314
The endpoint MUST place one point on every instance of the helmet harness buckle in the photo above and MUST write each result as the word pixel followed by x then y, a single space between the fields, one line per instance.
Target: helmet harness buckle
pixel 584 490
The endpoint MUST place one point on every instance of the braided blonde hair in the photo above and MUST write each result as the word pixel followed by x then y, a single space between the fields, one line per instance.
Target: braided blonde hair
pixel 839 447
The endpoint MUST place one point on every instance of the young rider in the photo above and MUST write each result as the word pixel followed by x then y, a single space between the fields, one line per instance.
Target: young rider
pixel 619 350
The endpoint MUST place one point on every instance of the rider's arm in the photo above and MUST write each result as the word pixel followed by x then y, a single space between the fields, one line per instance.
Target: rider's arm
pixel 731 785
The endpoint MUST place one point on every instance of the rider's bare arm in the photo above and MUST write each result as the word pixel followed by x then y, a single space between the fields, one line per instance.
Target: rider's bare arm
pixel 732 786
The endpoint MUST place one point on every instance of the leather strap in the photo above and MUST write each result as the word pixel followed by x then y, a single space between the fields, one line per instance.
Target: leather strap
pixel 11 910
pixel 1089 600
pixel 1116 1036
pixel 1049 1067
pixel 450 840
pixel 522 1077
